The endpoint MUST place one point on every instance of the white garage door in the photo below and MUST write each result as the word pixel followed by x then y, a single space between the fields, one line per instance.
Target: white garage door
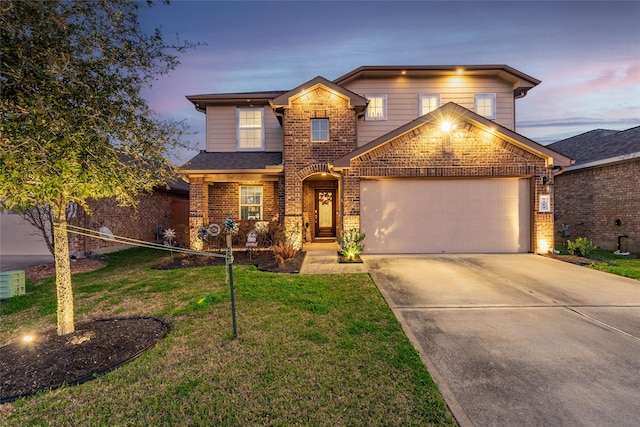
pixel 446 216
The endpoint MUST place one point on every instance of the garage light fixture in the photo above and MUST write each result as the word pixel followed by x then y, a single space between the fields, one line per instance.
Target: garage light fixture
pixel 446 126
pixel 547 185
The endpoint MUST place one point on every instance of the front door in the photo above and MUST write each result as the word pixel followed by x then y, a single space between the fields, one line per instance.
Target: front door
pixel 325 213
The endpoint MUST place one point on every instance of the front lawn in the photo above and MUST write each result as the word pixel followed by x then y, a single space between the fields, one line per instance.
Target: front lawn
pixel 628 266
pixel 311 350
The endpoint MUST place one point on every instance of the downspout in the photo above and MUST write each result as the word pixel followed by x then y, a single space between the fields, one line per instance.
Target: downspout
pixel 518 96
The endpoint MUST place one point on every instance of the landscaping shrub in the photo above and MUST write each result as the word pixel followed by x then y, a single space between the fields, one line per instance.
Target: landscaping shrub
pixel 351 243
pixel 581 247
pixel 283 251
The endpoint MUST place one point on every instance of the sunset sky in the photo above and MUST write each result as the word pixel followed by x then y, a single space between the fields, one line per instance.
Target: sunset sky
pixel 587 54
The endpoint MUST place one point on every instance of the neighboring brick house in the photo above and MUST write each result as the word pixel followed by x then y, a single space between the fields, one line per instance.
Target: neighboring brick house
pixel 162 209
pixel 420 158
pixel 599 196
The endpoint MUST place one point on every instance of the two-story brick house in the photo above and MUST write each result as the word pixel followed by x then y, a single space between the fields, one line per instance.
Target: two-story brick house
pixel 420 158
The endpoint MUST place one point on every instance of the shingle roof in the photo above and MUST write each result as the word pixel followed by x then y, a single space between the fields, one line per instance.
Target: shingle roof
pixel 599 144
pixel 210 161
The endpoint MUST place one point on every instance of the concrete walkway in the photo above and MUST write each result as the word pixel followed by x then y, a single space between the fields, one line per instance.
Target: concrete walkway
pixel 322 258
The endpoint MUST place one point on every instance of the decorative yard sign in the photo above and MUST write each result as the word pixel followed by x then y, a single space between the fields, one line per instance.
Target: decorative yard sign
pixel 545 203
pixel 252 239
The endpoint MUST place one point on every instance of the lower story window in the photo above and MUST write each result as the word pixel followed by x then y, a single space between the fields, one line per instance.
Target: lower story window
pixel 251 202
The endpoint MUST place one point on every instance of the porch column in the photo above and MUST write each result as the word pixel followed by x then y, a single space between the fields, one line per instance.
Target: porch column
pixel 293 207
pixel 351 200
pixel 198 209
pixel 543 222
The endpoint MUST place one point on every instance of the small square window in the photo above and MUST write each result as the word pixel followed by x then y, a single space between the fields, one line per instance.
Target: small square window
pixel 485 105
pixel 377 107
pixel 319 130
pixel 428 103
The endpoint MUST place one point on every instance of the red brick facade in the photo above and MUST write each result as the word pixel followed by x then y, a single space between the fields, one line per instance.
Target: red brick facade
pixel 303 158
pixel 590 200
pixel 140 223
pixel 468 151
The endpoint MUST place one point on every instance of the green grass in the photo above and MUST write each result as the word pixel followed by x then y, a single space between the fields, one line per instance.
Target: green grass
pixel 311 350
pixel 628 266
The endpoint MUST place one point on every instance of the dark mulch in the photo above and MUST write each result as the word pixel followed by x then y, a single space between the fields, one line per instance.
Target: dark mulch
pixel 96 347
pixel 263 260
pixel 574 259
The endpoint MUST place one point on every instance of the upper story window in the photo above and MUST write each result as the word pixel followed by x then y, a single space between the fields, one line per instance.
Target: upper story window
pixel 485 105
pixel 377 107
pixel 250 133
pixel 319 130
pixel 428 103
pixel 251 202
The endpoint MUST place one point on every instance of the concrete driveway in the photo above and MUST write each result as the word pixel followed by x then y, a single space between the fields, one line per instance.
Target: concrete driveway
pixel 520 340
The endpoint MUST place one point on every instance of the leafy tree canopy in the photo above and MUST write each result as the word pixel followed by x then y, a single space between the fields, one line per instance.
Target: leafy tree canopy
pixel 73 122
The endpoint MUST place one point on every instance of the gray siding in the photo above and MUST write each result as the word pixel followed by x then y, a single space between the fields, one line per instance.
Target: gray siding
pixel 221 129
pixel 403 97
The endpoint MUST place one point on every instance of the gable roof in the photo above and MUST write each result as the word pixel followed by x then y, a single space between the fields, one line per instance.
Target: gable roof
pixel 454 112
pixel 230 161
pixel 520 81
pixel 600 146
pixel 356 101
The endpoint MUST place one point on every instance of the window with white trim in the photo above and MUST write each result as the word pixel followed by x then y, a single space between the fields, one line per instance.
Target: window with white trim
pixel 428 103
pixel 485 105
pixel 251 202
pixel 250 133
pixel 377 107
pixel 319 130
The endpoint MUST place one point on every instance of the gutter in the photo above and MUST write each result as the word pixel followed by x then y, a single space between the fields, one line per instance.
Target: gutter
pixel 607 161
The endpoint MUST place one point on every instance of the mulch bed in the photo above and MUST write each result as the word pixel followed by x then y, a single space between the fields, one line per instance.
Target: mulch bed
pixel 574 259
pixel 96 347
pixel 263 260
pixel 77 266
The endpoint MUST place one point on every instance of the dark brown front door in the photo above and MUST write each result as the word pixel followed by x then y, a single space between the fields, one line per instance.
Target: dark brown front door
pixel 325 213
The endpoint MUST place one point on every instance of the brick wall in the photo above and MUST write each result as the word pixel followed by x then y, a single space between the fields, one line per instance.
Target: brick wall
pixel 596 197
pixel 225 197
pixel 133 222
pixel 427 151
pixel 302 158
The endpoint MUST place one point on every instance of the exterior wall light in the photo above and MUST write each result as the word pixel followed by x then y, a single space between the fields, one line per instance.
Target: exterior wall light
pixel 446 126
pixel 547 185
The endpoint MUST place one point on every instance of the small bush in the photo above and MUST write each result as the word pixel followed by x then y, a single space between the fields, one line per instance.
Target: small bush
pixel 351 243
pixel 580 247
pixel 283 251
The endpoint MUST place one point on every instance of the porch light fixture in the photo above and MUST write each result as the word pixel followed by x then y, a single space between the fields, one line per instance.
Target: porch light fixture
pixel 446 126
pixel 547 185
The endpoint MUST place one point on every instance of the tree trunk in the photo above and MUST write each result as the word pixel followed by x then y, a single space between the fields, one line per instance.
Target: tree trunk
pixel 64 290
